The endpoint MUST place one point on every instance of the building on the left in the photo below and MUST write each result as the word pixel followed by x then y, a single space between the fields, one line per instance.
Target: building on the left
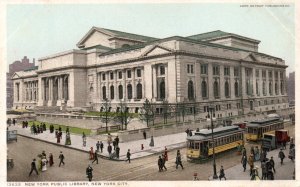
pixel 19 65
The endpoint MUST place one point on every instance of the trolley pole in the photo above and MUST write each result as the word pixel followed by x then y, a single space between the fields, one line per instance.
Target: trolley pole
pixel 211 110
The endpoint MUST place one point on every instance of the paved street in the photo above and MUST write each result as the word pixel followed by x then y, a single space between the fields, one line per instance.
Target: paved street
pixel 144 168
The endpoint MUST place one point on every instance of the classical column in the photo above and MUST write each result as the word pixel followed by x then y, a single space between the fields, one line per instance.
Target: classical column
pixel 154 83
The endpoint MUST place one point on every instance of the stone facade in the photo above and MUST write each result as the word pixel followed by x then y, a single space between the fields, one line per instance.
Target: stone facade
pixel 217 68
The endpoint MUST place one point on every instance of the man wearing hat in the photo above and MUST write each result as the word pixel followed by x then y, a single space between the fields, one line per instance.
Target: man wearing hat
pixel 33 167
pixel 281 155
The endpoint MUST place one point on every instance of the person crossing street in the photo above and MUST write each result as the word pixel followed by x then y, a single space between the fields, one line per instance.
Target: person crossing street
pixel 61 158
pixel 33 167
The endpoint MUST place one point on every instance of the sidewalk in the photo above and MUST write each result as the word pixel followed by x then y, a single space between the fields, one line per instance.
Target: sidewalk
pixel 283 172
pixel 173 141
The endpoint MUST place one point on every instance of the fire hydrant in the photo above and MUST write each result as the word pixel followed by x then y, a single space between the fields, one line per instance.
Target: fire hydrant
pixel 142 147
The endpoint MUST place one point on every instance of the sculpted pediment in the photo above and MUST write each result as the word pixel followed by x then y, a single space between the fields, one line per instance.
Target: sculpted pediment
pixel 15 76
pixel 156 50
pixel 251 57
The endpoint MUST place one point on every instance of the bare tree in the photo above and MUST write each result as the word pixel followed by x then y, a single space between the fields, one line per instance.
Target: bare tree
pixel 147 113
pixel 104 113
pixel 123 117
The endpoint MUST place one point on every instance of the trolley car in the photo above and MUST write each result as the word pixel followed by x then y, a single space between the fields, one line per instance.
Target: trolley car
pixel 199 146
pixel 256 129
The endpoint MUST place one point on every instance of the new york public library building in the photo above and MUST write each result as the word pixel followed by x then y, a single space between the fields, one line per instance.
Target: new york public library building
pixel 219 69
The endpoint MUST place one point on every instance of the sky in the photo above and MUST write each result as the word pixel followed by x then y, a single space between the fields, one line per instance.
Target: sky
pixel 40 30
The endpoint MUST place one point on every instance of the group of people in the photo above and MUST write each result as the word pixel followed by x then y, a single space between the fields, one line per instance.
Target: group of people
pixel 9 121
pixel 24 124
pixel 37 129
pixel 42 162
pixel 162 160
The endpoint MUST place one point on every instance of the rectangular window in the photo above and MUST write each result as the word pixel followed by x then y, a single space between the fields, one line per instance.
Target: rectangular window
pixel 138 73
pixel 192 69
pixel 216 70
pixel 128 73
pixel 111 76
pixel 204 69
pixel 103 76
pixel 257 73
pixel 236 72
pixel 162 70
pixel 270 75
pixel 264 73
pixel 120 74
pixel 188 68
pixel 226 71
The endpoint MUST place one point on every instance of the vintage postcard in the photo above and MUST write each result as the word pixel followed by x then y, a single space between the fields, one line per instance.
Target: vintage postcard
pixel 144 93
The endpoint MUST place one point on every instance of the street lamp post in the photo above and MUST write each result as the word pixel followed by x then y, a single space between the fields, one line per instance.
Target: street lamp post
pixel 211 110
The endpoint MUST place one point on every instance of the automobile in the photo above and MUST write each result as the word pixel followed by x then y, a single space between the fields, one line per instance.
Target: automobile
pixel 272 140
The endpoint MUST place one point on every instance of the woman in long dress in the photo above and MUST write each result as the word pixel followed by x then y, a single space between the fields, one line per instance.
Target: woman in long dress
pixel 68 139
pixel 44 164
pixel 51 162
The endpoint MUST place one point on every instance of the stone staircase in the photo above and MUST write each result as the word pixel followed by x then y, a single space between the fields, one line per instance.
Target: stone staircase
pixel 47 109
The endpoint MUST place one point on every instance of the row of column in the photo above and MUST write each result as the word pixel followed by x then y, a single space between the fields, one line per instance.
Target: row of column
pixel 31 90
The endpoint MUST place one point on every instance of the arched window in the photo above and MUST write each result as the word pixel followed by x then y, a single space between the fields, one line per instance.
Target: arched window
pixel 104 92
pixel 204 89
pixel 270 88
pixel 226 89
pixel 162 90
pixel 276 88
pixel 236 89
pixel 129 91
pixel 139 91
pixel 120 92
pixel 216 89
pixel 190 90
pixel 112 92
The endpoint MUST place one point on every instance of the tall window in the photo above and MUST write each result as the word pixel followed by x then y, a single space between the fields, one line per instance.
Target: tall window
pixel 162 90
pixel 204 89
pixel 139 91
pixel 190 90
pixel 129 74
pixel 120 88
pixel 111 75
pixel 236 89
pixel 226 89
pixel 120 74
pixel 204 69
pixel 103 76
pixel 190 68
pixel 257 90
pixel 270 88
pixel 129 91
pixel 162 70
pixel 138 73
pixel 226 71
pixel 216 89
pixel 216 70
pixel 104 92
pixel 264 73
pixel 236 72
pixel 276 88
pixel 281 88
pixel 264 88
pixel 112 92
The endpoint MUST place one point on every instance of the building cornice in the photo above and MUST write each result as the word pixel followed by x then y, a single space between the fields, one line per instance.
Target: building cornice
pixel 73 51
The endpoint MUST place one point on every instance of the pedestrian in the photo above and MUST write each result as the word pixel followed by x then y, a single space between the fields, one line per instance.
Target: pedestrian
pixel 95 157
pixel 263 170
pixel 89 173
pixel 128 156
pixel 187 131
pixel 292 154
pixel 91 153
pixel 163 162
pixel 14 121
pixel 98 146
pixel 114 144
pixel 256 153
pixel 292 145
pixel 56 133
pixel 117 152
pixel 117 140
pixel 255 175
pixel 33 167
pixel 160 163
pixel 190 133
pixel 281 155
pixel 31 130
pixel 109 138
pixel 44 155
pixel 67 129
pixel 58 137
pixel 151 142
pixel 101 146
pixel 272 164
pixel 251 163
pixel 68 139
pixel 252 150
pixel 44 163
pixel 83 139
pixel 109 149
pixel 51 162
pixel 222 173
pixel 178 159
pixel 166 154
pixel 44 127
pixel 144 134
pixel 59 129
pixel 244 152
pixel 244 162
pixel 61 158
